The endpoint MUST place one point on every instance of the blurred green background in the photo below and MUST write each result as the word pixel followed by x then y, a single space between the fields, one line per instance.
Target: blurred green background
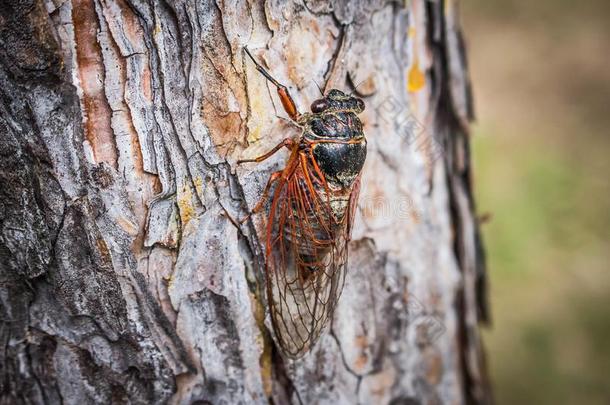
pixel 541 77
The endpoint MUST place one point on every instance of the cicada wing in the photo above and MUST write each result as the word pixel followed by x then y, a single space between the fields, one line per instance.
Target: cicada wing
pixel 307 237
pixel 353 204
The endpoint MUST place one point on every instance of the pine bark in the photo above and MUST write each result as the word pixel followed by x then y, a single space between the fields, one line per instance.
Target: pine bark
pixel 122 277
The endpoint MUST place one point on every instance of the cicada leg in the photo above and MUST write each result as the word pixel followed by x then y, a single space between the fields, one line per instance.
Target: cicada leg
pixel 287 101
pixel 261 202
pixel 287 142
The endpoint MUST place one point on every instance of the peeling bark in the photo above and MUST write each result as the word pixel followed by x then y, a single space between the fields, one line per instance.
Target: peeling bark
pixel 122 279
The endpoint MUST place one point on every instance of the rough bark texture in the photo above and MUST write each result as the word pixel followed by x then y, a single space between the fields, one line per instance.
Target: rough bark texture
pixel 122 278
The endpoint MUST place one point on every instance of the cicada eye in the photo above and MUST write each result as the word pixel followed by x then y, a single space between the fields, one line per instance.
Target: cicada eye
pixel 319 105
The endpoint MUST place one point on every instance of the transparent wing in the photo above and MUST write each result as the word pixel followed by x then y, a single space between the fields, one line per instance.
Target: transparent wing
pixel 308 232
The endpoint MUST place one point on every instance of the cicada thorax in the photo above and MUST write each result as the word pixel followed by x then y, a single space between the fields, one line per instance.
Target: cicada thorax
pixel 338 144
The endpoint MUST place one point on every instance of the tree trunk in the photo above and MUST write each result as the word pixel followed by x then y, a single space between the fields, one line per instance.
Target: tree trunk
pixel 123 278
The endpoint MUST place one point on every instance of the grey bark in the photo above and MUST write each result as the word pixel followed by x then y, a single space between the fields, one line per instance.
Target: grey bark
pixel 122 279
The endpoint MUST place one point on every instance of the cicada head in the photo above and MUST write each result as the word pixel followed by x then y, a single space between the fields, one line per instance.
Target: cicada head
pixel 337 101
pixel 334 117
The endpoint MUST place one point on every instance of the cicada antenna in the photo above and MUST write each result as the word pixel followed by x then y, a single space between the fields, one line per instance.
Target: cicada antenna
pixel 356 87
pixel 319 88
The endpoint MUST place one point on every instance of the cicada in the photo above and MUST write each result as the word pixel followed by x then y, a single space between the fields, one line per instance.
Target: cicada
pixel 311 214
